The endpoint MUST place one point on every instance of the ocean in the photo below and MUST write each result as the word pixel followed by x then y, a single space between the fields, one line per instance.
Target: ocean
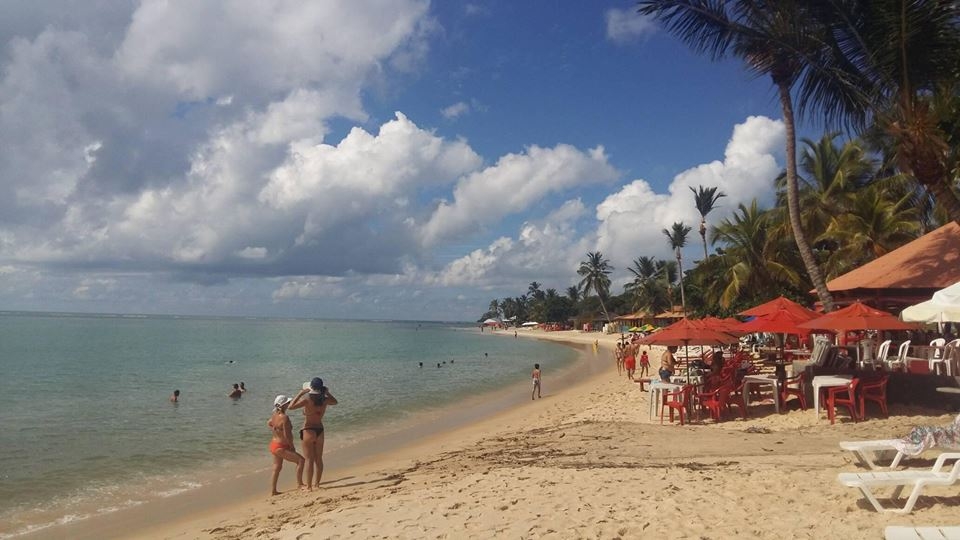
pixel 86 426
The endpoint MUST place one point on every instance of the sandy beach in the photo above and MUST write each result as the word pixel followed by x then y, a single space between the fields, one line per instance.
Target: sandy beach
pixel 586 462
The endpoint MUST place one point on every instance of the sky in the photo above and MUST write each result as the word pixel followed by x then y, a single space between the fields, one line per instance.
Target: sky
pixel 370 159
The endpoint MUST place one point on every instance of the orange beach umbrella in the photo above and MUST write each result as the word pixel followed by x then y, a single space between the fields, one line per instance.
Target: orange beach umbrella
pixel 857 316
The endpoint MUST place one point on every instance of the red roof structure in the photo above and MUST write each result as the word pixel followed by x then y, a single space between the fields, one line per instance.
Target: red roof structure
pixel 906 275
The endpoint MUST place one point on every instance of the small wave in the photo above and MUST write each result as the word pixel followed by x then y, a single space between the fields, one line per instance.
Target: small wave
pixel 186 486
pixel 69 518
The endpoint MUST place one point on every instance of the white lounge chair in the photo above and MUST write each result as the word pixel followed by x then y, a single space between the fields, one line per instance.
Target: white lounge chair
pixel 936 476
pixel 867 452
pixel 898 532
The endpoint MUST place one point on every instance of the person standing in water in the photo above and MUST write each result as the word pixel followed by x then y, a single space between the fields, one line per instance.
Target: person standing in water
pixel 235 393
pixel 313 399
pixel 175 398
pixel 536 381
pixel 281 445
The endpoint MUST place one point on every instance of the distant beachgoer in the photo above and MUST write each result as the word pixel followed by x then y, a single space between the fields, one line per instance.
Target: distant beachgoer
pixel 668 364
pixel 630 362
pixel 451 361
pixel 536 381
pixel 438 364
pixel 175 397
pixel 243 388
pixel 485 355
pixel 236 392
pixel 281 445
pixel 644 364
pixel 421 364
pixel 314 407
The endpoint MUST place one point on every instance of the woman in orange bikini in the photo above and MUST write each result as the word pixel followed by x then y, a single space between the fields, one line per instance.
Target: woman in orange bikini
pixel 281 446
pixel 314 406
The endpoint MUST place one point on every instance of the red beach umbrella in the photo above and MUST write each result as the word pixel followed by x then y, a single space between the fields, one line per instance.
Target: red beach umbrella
pixel 729 325
pixel 777 304
pixel 688 332
pixel 857 316
pixel 781 321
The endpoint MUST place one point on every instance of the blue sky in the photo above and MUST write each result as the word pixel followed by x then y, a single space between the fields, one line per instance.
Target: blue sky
pixel 403 159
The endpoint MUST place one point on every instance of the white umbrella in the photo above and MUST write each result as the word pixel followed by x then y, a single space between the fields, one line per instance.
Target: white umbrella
pixel 943 307
pixel 491 322
pixel 530 323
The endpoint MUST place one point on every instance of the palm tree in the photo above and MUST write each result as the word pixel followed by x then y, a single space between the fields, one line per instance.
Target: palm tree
pixel 573 293
pixel 874 224
pixel 894 63
pixel 773 39
pixel 596 277
pixel 705 200
pixel 677 237
pixel 534 291
pixel 754 261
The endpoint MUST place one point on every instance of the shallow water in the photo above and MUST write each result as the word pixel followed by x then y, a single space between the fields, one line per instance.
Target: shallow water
pixel 87 426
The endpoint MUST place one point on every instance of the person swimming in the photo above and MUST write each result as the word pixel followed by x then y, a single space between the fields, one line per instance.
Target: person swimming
pixel 175 398
pixel 235 393
pixel 314 399
pixel 243 388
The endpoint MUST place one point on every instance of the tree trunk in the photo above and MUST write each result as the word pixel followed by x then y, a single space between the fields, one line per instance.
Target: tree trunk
pixel 683 297
pixel 793 200
pixel 603 307
pixel 703 235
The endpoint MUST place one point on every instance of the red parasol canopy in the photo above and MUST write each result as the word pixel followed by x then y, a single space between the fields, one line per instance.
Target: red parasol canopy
pixel 777 304
pixel 688 332
pixel 857 316
pixel 729 325
pixel 781 321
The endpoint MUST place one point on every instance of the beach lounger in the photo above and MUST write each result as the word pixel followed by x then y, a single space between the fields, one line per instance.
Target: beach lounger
pixel 866 482
pixel 867 452
pixel 897 532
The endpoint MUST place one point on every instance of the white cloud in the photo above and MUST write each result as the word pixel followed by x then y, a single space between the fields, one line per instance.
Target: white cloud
pixel 545 250
pixel 626 25
pixel 306 288
pixel 456 110
pixel 255 48
pixel 632 219
pixel 514 183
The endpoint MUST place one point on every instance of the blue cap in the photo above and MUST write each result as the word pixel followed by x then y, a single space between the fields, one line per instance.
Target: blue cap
pixel 316 384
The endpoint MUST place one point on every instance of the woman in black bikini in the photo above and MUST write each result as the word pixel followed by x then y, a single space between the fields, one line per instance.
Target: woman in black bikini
pixel 314 406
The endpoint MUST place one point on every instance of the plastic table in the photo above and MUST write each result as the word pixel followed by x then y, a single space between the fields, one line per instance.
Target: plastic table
pixel 762 380
pixel 826 381
pixel 657 390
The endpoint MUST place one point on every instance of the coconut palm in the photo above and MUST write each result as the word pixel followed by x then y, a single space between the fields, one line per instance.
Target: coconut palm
pixel 872 225
pixel 595 272
pixel 754 260
pixel 573 293
pixel 677 238
pixel 773 38
pixel 705 199
pixel 894 63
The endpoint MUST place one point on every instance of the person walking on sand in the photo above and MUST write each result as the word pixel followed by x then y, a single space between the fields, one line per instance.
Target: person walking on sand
pixel 281 445
pixel 630 362
pixel 536 381
pixel 314 399
pixel 644 364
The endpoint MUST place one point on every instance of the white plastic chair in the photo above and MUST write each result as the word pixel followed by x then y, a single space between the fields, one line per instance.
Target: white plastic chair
pixel 935 353
pixel 901 359
pixel 918 479
pixel 882 351
pixel 901 532
pixel 868 452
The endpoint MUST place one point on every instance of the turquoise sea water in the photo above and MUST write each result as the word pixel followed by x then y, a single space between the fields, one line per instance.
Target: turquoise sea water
pixel 86 426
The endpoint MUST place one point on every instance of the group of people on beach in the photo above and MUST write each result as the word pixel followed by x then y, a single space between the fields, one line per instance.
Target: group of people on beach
pixel 626 356
pixel 313 398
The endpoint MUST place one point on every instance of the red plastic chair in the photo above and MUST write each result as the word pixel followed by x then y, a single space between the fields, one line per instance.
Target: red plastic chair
pixel 875 391
pixel 794 387
pixel 718 401
pixel 736 398
pixel 842 395
pixel 678 401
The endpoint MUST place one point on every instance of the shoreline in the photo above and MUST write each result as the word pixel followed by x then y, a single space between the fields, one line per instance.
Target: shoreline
pixel 587 462
pixel 370 452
